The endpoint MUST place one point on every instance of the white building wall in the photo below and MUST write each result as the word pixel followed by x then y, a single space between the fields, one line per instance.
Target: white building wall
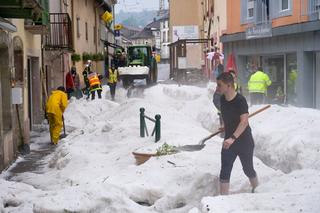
pixel 164 38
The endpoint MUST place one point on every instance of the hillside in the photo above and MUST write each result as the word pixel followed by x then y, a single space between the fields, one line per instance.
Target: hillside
pixel 135 19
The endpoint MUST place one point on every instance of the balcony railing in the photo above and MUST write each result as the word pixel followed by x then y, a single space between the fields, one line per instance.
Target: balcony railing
pixel 60 35
pixel 311 8
pixel 23 9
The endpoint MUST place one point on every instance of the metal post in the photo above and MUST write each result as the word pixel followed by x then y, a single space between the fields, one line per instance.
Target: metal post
pixel 142 122
pixel 158 127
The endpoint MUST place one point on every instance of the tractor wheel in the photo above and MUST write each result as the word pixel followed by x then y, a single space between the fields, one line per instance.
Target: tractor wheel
pixel 149 79
pixel 155 74
pixel 126 82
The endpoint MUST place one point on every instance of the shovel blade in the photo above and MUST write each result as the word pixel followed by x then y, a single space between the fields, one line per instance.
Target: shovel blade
pixel 190 148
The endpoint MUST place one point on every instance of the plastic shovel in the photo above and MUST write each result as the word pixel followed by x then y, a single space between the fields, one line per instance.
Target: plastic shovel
pixel 201 144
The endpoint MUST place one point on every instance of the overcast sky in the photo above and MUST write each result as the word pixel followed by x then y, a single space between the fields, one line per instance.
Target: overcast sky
pixel 137 5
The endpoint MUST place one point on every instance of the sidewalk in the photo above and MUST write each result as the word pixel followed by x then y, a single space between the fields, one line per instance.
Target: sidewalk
pixel 40 147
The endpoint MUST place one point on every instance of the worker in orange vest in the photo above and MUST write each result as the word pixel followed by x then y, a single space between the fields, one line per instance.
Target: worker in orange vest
pixel 95 84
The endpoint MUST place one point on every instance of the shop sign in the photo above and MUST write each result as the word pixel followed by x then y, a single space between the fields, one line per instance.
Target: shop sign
pixel 107 17
pixel 185 32
pixel 259 31
pixel 118 27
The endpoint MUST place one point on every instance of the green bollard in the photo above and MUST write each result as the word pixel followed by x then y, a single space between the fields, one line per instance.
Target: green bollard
pixel 158 127
pixel 142 122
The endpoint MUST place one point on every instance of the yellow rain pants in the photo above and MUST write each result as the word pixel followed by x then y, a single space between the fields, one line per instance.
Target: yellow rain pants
pixel 55 107
pixel 56 124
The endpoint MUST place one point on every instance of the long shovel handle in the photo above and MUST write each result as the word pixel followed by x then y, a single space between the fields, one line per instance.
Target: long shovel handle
pixel 64 127
pixel 259 110
pixel 222 130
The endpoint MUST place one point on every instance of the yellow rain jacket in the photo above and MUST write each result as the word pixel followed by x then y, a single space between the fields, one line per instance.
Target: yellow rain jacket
pixel 259 82
pixel 113 76
pixel 55 107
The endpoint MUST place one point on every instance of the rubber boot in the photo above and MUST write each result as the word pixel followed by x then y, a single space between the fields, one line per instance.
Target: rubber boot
pixel 254 183
pixel 224 188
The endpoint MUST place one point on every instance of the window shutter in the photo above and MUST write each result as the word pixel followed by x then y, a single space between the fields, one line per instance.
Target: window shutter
pixel 274 9
pixel 310 6
pixel 257 11
pixel 244 11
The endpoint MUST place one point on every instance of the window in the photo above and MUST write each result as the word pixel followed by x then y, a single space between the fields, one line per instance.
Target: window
pixel 250 8
pixel 317 5
pixel 86 25
pixel 247 11
pixel 284 4
pixel 78 27
pixel 281 8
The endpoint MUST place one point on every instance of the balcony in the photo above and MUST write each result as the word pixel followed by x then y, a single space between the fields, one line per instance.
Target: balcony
pixel 23 9
pixel 60 34
pixel 261 25
pixel 34 11
pixel 311 8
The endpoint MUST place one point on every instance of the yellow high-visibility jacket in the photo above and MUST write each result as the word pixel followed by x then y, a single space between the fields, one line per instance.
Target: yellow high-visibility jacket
pixel 113 76
pixel 57 103
pixel 259 82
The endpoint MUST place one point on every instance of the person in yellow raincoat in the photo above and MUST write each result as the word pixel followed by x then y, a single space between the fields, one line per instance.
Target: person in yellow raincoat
pixel 55 107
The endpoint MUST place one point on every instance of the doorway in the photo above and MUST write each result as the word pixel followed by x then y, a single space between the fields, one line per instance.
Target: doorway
pixel 34 91
pixel 274 66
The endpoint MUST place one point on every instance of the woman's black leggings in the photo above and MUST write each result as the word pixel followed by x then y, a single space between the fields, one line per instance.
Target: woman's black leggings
pixel 228 156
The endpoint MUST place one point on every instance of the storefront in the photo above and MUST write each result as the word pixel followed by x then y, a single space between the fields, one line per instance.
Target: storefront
pixel 290 57
pixel 283 72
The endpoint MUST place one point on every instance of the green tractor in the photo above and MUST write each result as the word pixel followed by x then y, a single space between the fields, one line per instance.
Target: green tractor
pixel 140 65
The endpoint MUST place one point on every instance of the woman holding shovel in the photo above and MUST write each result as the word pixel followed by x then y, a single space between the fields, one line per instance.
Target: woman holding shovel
pixel 238 140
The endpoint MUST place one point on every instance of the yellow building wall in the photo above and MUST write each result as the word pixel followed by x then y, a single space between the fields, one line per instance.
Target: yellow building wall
pixel 31 48
pixel 186 13
pixel 87 14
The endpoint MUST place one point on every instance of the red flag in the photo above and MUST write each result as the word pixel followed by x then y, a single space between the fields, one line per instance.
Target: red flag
pixel 231 64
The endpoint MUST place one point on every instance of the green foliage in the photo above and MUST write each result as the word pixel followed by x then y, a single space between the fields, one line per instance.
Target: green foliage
pixel 86 56
pixel 166 149
pixel 75 57
pixel 98 57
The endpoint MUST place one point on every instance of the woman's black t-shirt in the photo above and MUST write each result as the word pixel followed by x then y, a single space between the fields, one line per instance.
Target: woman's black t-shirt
pixel 231 112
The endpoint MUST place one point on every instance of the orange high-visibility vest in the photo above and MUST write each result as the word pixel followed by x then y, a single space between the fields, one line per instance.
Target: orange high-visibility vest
pixel 93 79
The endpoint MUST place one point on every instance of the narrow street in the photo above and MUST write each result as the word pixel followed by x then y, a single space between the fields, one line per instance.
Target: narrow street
pixel 159 106
pixel 93 168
